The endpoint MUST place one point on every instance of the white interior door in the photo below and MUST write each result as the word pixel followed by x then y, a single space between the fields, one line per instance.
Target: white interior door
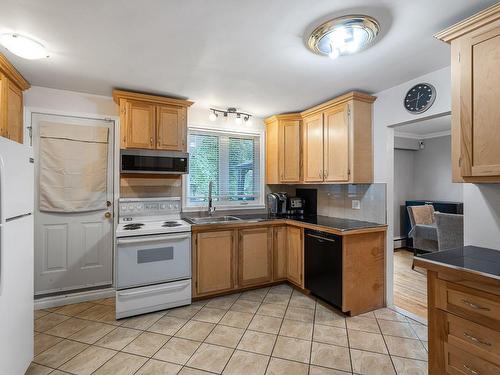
pixel 73 250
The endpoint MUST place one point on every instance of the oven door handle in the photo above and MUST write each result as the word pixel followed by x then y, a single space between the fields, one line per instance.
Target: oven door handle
pixel 152 291
pixel 147 239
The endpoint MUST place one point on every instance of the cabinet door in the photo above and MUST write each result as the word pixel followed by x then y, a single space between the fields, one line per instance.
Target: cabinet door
pixel 313 148
pixel 14 99
pixel 295 255
pixel 214 262
pixel 479 111
pixel 171 128
pixel 289 151
pixel 255 256
pixel 272 153
pixel 279 253
pixel 336 144
pixel 141 120
pixel 3 108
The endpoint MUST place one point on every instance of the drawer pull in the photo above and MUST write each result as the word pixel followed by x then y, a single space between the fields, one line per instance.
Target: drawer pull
pixel 476 340
pixel 473 372
pixel 475 306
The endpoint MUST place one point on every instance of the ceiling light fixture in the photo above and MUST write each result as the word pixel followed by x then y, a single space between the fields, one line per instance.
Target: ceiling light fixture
pixel 239 116
pixel 23 46
pixel 343 36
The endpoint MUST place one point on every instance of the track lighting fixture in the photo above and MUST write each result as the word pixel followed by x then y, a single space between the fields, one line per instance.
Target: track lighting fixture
pixel 239 116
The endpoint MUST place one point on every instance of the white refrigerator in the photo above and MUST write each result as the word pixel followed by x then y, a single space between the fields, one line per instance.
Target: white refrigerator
pixel 16 257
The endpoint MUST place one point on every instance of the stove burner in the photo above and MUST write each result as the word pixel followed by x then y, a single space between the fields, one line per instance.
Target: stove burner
pixel 133 226
pixel 170 224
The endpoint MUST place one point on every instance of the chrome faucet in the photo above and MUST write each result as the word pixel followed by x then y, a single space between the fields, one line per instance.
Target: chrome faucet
pixel 211 208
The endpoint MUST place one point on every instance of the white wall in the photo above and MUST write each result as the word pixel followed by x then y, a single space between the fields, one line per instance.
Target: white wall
pixel 433 172
pixel 69 101
pixel 404 172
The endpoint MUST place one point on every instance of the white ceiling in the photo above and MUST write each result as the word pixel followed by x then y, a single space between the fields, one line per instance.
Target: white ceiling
pixel 425 128
pixel 247 54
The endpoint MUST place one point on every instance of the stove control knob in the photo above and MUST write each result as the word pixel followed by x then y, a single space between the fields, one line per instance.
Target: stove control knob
pixel 123 207
pixel 130 206
pixel 176 206
pixel 139 206
pixel 163 206
pixel 170 206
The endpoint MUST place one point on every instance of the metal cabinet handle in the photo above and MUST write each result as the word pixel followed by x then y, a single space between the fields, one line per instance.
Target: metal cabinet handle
pixel 320 174
pixel 325 173
pixel 475 306
pixel 151 141
pixel 320 238
pixel 476 340
pixel 474 372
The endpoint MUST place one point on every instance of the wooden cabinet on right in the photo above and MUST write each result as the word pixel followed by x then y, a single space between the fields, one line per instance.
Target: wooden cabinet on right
pixel 475 113
pixel 12 85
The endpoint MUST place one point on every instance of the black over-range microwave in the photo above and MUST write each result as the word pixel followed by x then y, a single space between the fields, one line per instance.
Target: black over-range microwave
pixel 153 161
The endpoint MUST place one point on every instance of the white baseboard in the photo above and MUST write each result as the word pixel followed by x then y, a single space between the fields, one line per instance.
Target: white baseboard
pixel 66 299
pixel 399 243
pixel 410 315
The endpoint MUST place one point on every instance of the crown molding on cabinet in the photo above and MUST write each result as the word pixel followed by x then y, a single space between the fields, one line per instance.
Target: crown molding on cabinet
pixel 353 95
pixel 12 74
pixel 472 23
pixel 156 99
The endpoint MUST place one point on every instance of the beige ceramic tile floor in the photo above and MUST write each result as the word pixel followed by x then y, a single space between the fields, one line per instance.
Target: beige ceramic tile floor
pixel 265 331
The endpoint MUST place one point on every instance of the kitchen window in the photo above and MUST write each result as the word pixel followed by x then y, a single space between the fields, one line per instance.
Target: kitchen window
pixel 231 161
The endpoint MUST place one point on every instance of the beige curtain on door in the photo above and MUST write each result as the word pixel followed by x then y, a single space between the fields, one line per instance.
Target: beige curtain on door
pixel 73 167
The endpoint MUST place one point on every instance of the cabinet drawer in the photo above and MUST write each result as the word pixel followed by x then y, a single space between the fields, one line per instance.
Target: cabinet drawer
pixel 474 338
pixel 475 305
pixel 459 362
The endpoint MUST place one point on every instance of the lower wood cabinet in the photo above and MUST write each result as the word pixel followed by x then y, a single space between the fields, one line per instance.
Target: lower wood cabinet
pixel 279 253
pixel 255 260
pixel 214 262
pixel 295 255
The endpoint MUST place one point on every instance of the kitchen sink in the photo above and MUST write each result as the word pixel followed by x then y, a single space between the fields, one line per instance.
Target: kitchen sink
pixel 213 219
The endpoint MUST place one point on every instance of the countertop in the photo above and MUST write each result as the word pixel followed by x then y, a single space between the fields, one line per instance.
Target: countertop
pixel 478 260
pixel 317 222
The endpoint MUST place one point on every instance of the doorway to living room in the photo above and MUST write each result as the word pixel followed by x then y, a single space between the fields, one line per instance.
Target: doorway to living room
pixel 426 203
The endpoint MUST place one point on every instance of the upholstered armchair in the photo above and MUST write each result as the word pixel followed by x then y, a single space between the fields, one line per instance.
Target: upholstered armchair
pixel 450 230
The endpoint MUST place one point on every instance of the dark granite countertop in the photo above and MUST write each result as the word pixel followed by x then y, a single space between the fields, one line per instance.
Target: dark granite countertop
pixel 468 258
pixel 336 223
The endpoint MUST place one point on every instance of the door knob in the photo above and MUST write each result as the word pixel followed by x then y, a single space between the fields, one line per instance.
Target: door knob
pixel 107 215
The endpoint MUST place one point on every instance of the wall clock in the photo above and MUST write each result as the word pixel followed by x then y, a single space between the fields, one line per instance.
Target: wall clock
pixel 419 98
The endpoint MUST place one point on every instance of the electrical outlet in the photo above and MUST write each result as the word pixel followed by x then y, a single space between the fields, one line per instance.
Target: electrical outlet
pixel 356 204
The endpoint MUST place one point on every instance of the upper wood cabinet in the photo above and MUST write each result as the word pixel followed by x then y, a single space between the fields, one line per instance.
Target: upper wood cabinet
pixel 12 85
pixel 329 143
pixel 255 258
pixel 313 148
pixel 283 149
pixel 152 122
pixel 337 140
pixel 475 110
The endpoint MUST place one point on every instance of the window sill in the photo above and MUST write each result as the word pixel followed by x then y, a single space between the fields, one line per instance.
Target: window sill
pixel 223 208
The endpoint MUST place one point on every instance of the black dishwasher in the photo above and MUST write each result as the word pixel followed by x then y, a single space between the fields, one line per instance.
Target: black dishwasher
pixel 323 265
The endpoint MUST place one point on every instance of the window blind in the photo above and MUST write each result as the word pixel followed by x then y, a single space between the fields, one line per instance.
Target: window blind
pixel 230 161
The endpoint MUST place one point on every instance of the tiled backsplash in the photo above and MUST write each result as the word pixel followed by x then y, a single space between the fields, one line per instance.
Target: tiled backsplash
pixel 336 200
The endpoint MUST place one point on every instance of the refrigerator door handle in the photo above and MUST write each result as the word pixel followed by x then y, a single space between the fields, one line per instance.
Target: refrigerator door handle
pixel 2 213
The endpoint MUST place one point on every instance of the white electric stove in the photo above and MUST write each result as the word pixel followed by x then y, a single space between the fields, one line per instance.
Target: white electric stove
pixel 153 256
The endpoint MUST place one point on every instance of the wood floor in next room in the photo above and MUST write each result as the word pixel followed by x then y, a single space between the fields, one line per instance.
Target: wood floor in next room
pixel 410 286
pixel 274 330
